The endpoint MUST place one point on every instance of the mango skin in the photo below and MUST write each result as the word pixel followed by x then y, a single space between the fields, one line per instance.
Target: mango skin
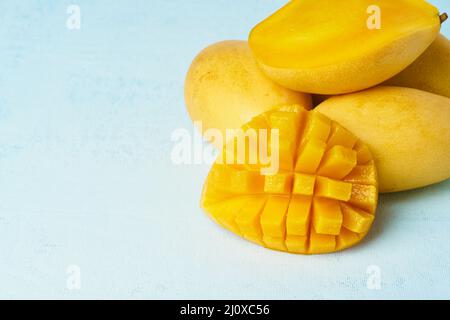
pixel 224 88
pixel 407 130
pixel 430 72
pixel 327 50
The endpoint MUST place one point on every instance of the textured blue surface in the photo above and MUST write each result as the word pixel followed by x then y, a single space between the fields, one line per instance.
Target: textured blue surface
pixel 86 179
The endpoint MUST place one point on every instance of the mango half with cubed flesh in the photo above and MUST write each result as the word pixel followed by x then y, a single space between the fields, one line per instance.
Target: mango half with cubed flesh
pixel 321 199
pixel 336 46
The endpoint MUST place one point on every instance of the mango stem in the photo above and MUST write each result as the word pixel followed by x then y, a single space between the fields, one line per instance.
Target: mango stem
pixel 443 17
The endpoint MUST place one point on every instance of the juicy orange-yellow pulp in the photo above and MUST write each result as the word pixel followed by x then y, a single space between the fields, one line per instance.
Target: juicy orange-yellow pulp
pixel 321 199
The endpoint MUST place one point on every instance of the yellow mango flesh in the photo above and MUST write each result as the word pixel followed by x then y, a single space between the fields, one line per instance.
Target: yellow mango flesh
pixel 430 72
pixel 338 162
pixel 329 46
pixel 304 184
pixel 333 189
pixel 356 220
pixel 347 239
pixel 298 209
pixel 224 88
pixel 327 217
pixel 298 216
pixel 406 130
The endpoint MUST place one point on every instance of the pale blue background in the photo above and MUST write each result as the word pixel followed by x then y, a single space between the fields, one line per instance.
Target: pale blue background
pixel 86 177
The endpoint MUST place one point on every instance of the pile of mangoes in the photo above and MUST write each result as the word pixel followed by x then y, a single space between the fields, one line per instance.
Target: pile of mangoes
pixel 378 79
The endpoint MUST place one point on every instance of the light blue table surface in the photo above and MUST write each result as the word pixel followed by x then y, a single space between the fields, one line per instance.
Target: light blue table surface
pixel 88 190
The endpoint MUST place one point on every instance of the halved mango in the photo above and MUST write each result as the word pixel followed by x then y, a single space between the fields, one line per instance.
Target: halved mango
pixel 335 46
pixel 325 203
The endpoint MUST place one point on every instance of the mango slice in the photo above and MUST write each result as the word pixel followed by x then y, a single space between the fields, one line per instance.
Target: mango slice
pixel 407 131
pixel 324 203
pixel 335 47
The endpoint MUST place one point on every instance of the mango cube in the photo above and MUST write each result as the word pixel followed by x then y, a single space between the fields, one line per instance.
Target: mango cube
pixel 244 182
pixel 273 217
pixel 286 153
pixel 333 189
pixel 310 155
pixel 321 243
pixel 346 239
pixel 322 199
pixel 338 162
pixel 297 244
pixel 237 181
pixel 249 215
pixel 298 216
pixel 276 243
pixel 318 127
pixel 341 137
pixel 327 216
pixel 363 153
pixel 364 197
pixel 287 122
pixel 304 184
pixel 280 183
pixel 355 219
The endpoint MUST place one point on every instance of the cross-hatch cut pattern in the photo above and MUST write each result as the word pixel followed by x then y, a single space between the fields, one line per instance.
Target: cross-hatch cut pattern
pixel 323 198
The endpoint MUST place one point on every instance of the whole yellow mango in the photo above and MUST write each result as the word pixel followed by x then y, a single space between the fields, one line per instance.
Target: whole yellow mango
pixel 430 72
pixel 225 88
pixel 335 46
pixel 407 130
